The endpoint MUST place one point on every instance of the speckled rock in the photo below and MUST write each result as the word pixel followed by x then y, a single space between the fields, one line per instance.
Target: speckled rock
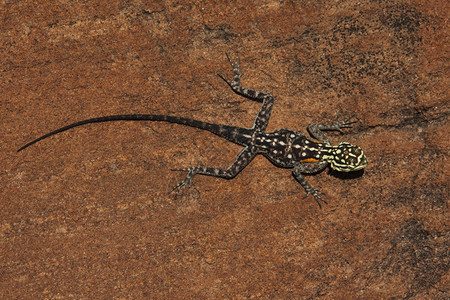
pixel 86 215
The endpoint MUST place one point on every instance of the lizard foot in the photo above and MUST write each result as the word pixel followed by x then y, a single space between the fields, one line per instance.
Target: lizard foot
pixel 316 193
pixel 187 181
pixel 347 123
pixel 237 73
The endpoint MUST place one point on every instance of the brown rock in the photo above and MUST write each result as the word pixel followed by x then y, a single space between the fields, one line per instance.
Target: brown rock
pixel 85 214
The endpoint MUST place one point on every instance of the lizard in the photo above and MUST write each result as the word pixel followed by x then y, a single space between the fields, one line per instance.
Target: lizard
pixel 283 147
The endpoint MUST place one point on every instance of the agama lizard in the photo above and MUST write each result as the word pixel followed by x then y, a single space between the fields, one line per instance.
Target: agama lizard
pixel 284 148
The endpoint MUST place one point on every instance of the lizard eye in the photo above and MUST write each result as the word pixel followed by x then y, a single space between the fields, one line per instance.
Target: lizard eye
pixel 348 157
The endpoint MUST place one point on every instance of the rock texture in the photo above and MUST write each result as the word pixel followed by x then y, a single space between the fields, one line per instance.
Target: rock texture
pixel 86 215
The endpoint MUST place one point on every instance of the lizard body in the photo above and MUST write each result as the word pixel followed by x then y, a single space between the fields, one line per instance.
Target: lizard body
pixel 284 148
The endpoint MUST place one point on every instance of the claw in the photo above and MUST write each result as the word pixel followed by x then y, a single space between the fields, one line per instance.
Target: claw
pixel 187 181
pixel 229 59
pixel 347 123
pixel 236 63
pixel 316 193
pixel 184 169
pixel 237 73
pixel 224 79
pixel 344 124
pixel 179 187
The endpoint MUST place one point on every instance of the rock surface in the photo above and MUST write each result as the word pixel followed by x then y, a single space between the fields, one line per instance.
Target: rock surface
pixel 86 215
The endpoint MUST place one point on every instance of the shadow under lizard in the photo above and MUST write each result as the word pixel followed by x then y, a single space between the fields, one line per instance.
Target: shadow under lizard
pixel 283 147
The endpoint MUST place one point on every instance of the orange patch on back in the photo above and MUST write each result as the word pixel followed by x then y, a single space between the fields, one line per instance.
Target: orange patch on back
pixel 309 160
pixel 314 141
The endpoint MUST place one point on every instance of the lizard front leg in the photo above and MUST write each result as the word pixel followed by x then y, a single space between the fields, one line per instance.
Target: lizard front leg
pixel 262 118
pixel 314 167
pixel 316 130
pixel 242 160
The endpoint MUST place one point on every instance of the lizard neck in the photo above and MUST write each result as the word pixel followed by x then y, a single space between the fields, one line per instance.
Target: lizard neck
pixel 328 152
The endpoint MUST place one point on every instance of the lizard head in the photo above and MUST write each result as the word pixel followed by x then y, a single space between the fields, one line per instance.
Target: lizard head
pixel 347 157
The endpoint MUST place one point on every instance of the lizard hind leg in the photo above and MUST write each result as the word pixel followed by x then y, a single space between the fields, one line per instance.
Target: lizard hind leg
pixel 242 160
pixel 262 118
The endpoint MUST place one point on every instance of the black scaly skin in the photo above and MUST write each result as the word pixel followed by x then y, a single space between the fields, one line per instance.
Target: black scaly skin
pixel 284 148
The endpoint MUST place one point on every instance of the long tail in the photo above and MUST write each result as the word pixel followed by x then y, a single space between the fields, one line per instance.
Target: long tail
pixel 231 133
